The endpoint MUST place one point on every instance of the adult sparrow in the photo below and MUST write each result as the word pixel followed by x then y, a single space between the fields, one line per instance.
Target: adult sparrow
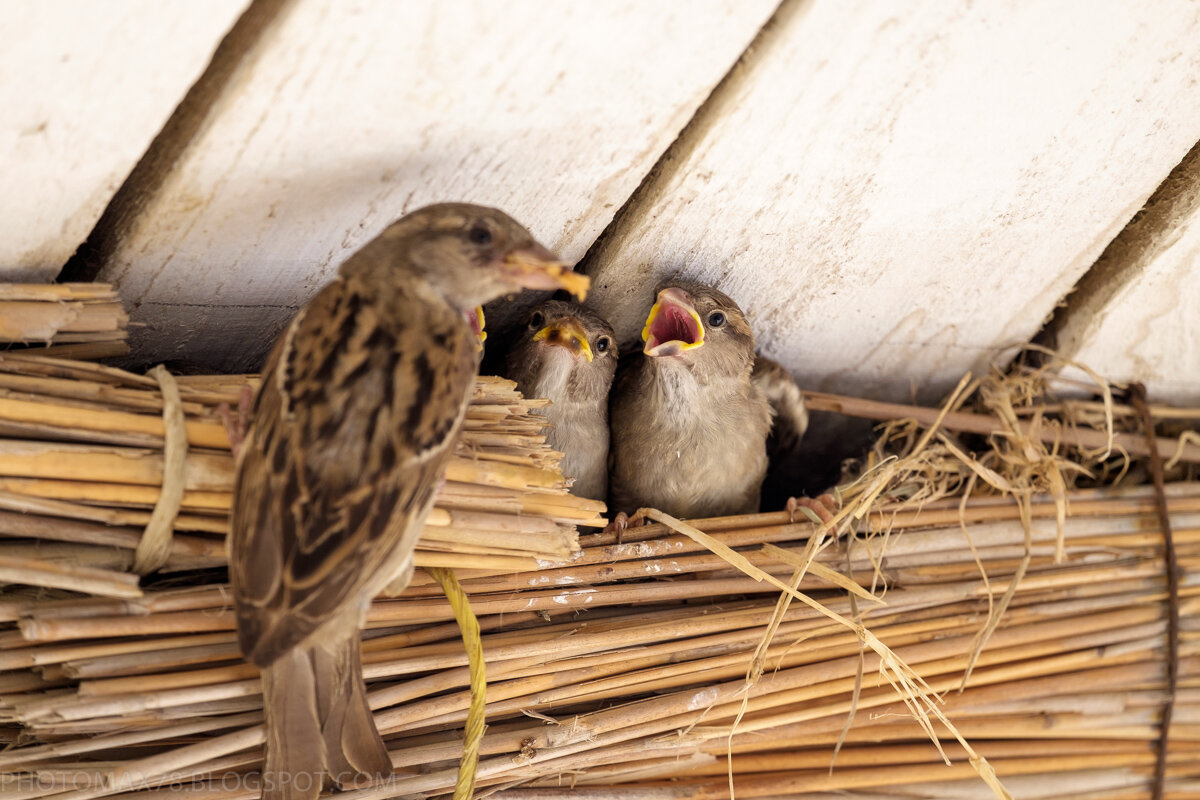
pixel 689 426
pixel 568 354
pixel 360 403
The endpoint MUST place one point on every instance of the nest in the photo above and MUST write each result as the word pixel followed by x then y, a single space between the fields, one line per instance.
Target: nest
pixel 989 616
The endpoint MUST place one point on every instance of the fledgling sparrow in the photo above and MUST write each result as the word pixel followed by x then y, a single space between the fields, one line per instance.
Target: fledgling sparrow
pixel 568 354
pixel 359 407
pixel 689 426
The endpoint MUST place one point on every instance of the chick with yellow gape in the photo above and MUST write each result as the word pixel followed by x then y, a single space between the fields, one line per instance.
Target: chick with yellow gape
pixel 568 355
pixel 692 412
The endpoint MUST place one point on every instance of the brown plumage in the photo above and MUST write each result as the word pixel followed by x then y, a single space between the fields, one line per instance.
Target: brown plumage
pixel 360 403
pixel 788 465
pixel 789 414
pixel 689 427
pixel 568 354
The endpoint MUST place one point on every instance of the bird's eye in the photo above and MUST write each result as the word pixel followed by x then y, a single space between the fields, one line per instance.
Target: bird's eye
pixel 716 319
pixel 602 344
pixel 479 234
pixel 536 321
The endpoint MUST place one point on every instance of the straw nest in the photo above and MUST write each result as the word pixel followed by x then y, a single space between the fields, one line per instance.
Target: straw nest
pixel 991 613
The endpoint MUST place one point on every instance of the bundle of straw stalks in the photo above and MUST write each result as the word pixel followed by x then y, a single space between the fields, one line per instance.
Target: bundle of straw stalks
pixel 98 481
pixel 971 624
pixel 68 320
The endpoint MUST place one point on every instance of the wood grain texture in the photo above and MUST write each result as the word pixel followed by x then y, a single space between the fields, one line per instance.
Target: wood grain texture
pixel 897 194
pixel 1136 315
pixel 344 117
pixel 85 87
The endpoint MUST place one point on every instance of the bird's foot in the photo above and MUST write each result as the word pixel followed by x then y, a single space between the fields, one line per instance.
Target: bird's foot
pixel 623 521
pixel 236 427
pixel 819 510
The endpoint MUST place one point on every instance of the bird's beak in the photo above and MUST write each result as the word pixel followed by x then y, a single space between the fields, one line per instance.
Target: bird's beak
pixel 567 333
pixel 535 267
pixel 673 326
pixel 477 321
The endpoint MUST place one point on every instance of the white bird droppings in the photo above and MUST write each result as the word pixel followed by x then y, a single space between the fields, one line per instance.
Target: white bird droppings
pixel 703 699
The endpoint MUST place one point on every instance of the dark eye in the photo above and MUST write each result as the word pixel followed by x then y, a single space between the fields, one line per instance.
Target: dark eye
pixel 536 321
pixel 602 344
pixel 716 319
pixel 480 234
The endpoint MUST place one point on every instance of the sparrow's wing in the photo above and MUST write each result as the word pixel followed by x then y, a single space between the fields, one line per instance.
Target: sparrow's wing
pixel 786 464
pixel 789 415
pixel 350 434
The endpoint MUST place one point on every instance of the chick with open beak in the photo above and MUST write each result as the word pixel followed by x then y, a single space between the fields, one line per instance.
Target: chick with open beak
pixel 568 354
pixel 689 427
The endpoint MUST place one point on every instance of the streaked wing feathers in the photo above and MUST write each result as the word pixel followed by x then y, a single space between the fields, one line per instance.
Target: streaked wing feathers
pixel 351 430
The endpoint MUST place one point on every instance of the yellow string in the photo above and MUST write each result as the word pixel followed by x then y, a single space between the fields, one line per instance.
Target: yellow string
pixel 473 732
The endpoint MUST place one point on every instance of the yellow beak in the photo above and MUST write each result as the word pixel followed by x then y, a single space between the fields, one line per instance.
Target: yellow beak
pixel 481 335
pixel 680 328
pixel 566 333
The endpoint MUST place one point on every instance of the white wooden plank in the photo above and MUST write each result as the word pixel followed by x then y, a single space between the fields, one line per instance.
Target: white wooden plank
pixel 85 87
pixel 1136 315
pixel 346 116
pixel 896 192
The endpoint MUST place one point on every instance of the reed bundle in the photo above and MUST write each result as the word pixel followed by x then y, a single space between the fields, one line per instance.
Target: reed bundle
pixel 977 600
pixel 622 674
pixel 88 460
pixel 69 320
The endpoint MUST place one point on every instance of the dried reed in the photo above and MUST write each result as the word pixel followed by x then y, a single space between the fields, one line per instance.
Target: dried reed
pixel 67 320
pixel 980 595
pixel 88 452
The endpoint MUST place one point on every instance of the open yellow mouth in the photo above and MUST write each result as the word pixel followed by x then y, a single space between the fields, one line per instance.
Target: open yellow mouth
pixel 673 326
pixel 567 334
pixel 477 322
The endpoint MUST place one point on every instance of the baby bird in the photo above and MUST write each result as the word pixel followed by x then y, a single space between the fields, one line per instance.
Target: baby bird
pixel 566 353
pixel 689 426
pixel 360 404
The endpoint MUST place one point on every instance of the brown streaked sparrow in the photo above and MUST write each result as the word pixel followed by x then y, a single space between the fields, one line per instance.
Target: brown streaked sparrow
pixel 360 404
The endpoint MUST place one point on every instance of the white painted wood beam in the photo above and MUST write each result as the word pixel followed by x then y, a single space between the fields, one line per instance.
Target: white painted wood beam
pixel 84 88
pixel 344 116
pixel 1136 315
pixel 898 192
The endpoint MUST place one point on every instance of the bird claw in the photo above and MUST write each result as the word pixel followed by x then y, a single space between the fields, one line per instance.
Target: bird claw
pixel 623 521
pixel 818 510
pixel 236 427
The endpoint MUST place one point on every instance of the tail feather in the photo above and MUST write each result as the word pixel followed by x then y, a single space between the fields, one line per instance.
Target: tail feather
pixel 319 727
pixel 294 767
pixel 352 741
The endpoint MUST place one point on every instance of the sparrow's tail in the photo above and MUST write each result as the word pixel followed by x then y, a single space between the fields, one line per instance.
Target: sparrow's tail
pixel 319 727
